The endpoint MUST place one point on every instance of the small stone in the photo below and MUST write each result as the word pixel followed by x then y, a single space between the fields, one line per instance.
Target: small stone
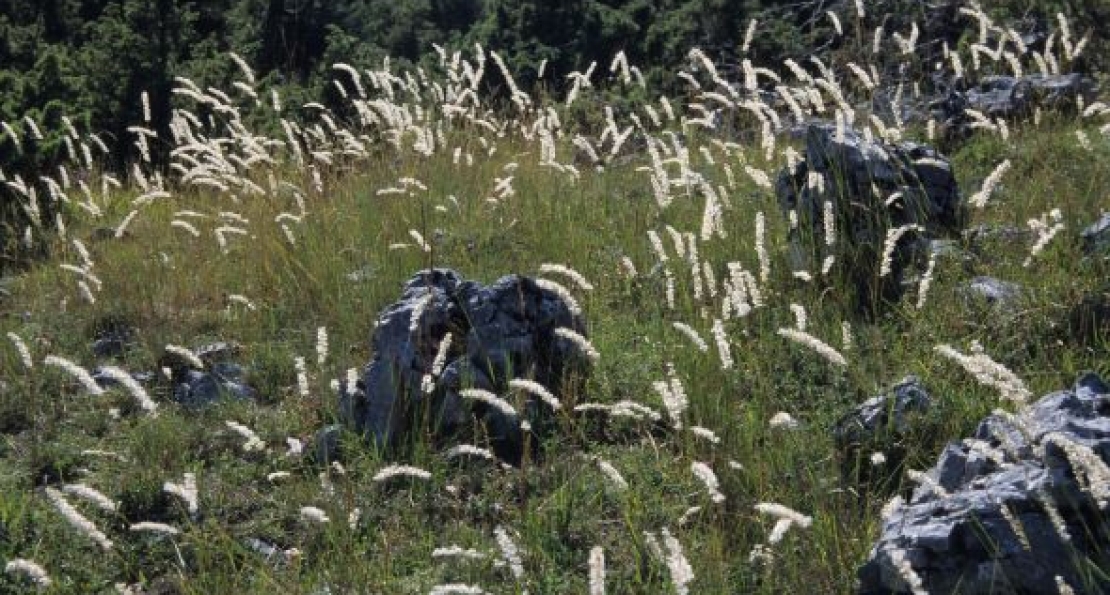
pixel 879 426
pixel 326 445
pixel 106 381
pixel 112 338
pixel 220 351
pixel 199 389
pixel 888 412
pixel 1096 237
pixel 992 291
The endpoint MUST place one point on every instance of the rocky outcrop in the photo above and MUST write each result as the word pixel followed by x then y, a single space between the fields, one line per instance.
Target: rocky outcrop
pixel 1009 510
pixel 873 187
pixel 1011 98
pixel 499 332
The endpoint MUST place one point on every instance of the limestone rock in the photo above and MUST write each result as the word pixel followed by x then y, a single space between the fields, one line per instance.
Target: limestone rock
pixel 500 332
pixel 982 521
pixel 872 186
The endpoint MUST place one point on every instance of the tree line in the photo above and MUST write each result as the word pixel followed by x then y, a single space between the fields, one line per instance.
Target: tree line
pixel 89 61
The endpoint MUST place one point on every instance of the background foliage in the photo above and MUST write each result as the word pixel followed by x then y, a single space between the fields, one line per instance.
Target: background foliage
pixel 90 60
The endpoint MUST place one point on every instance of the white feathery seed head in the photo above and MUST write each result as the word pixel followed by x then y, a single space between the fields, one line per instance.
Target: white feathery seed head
pixel 242 300
pixel 808 340
pixel 783 420
pixel 92 495
pixel 418 310
pixel 321 345
pixel 563 294
pixel 800 318
pixel 392 471
pixel 81 374
pixel 32 570
pixel 893 236
pixel 673 394
pixel 22 350
pixel 253 442
pixel 301 367
pixel 573 275
pixel 186 354
pixel 612 474
pixel 186 490
pixel 721 338
pixel 989 372
pixel 579 341
pixel 509 552
pixel 153 527
pixel 468 450
pixel 455 551
pixel 456 589
pixel 77 520
pixel 597 571
pixel 782 512
pixel 705 474
pixel 682 574
pixel 691 334
pixel 705 434
pixel 127 381
pixel 980 198
pixel 536 389
pixel 312 514
pixel 488 398
pixel 847 341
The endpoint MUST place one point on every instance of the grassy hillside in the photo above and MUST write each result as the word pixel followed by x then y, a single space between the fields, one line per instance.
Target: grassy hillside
pixel 326 242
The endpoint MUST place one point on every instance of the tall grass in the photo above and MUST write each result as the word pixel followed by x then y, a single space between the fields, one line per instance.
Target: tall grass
pixel 303 239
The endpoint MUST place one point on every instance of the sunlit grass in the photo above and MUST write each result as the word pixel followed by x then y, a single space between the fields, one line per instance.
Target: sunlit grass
pixel 353 248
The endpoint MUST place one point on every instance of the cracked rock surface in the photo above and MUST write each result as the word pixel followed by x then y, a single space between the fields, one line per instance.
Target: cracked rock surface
pixel 500 332
pixel 1007 511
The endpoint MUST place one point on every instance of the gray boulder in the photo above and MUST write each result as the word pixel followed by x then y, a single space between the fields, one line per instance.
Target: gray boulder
pixel 326 444
pixel 859 177
pixel 224 381
pixel 1096 237
pixel 983 520
pixel 994 292
pixel 880 425
pixel 112 343
pixel 112 336
pixel 104 380
pixel 500 332
pixel 887 412
pixel 220 380
pixel 1011 98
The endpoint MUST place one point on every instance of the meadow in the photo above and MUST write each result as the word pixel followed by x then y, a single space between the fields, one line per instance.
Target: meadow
pixel 289 240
